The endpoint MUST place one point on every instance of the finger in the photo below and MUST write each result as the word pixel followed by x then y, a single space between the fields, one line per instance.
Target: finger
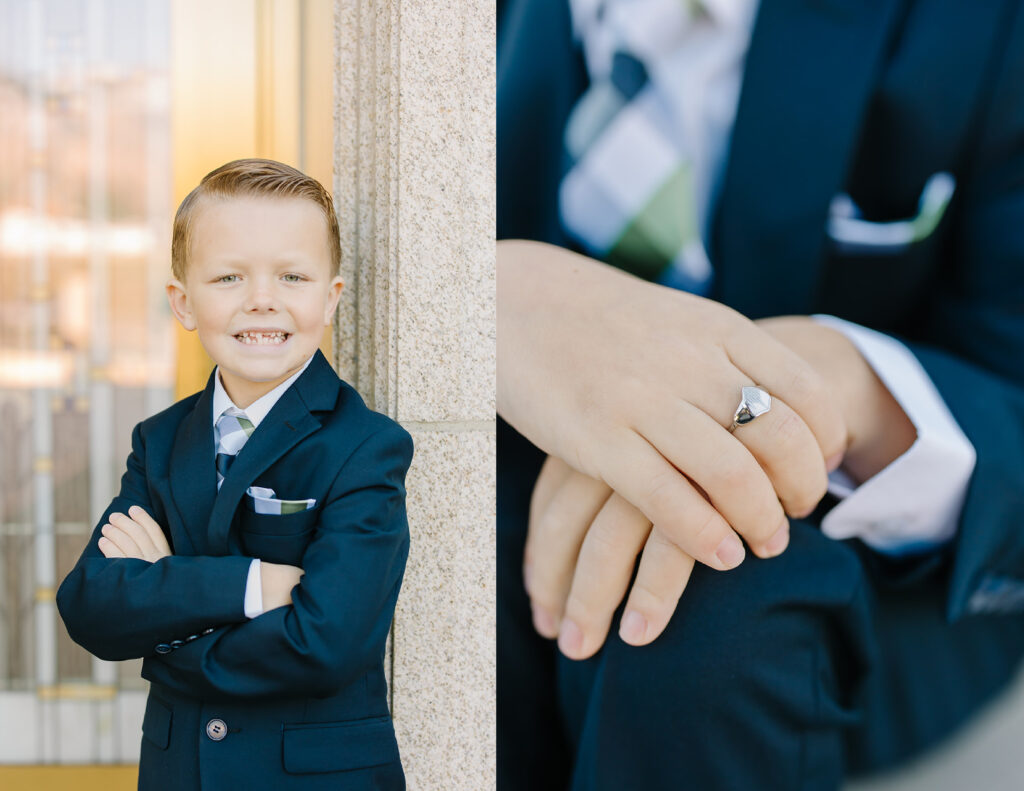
pixel 553 473
pixel 784 374
pixel 602 574
pixel 155 532
pixel 789 454
pixel 109 548
pixel 660 581
pixel 552 543
pixel 122 541
pixel 723 467
pixel 137 533
pixel 639 473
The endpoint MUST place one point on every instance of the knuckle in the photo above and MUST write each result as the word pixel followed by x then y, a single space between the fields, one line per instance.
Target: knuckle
pixel 707 533
pixel 809 495
pixel 653 597
pixel 661 494
pixel 730 476
pixel 603 543
pixel 544 591
pixel 547 603
pixel 545 523
pixel 787 427
pixel 587 614
pixel 659 542
pixel 806 386
pixel 763 526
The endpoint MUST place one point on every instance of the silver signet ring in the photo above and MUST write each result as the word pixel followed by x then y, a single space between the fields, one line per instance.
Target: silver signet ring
pixel 753 402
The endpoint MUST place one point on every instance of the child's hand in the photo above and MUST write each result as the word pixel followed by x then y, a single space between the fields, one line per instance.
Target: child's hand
pixel 134 536
pixel 580 550
pixel 277 581
pixel 636 385
pixel 583 539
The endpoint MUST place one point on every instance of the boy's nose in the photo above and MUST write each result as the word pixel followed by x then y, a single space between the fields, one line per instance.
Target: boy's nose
pixel 260 298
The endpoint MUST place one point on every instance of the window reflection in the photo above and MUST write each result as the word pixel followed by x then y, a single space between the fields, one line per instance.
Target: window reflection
pixel 86 341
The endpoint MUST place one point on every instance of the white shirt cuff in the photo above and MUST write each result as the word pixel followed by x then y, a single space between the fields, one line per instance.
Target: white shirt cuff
pixel 914 504
pixel 254 590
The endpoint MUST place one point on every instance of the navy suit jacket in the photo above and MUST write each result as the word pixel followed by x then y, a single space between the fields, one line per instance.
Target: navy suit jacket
pixel 300 690
pixel 868 98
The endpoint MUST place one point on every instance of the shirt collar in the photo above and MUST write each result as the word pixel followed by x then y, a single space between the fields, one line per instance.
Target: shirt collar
pixel 259 408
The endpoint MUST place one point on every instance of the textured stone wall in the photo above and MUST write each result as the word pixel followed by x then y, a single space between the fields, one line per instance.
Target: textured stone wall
pixel 414 184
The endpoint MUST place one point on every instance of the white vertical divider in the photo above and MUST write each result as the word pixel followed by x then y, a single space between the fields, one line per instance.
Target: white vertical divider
pixel 159 391
pixel 42 416
pixel 101 401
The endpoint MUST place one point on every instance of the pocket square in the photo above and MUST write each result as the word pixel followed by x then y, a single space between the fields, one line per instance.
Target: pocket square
pixel 265 502
pixel 850 231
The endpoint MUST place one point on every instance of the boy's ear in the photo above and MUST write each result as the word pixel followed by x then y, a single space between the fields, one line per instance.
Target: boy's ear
pixel 333 295
pixel 180 305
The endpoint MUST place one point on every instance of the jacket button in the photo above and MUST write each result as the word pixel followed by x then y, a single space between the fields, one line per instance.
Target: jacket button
pixel 216 729
pixel 177 643
pixel 163 648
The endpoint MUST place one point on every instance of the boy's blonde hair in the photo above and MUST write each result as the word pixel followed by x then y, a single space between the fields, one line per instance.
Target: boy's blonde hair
pixel 251 177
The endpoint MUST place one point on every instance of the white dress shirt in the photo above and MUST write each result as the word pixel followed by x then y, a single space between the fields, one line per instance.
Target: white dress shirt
pixel 255 412
pixel 913 504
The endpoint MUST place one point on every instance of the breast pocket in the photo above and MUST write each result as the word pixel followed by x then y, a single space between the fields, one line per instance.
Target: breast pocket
pixel 277 538
pixel 877 272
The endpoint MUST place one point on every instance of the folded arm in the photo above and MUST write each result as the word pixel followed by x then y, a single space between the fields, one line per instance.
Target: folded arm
pixel 122 607
pixel 337 624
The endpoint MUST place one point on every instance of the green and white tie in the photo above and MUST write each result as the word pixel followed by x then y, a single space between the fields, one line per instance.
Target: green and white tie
pixel 232 431
pixel 642 139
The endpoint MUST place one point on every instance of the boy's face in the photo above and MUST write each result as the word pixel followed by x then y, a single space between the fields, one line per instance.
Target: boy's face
pixel 258 289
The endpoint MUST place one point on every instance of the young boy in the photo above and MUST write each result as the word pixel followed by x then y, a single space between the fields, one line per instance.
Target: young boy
pixel 255 552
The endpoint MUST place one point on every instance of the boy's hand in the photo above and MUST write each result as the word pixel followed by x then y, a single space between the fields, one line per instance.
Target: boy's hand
pixel 583 539
pixel 879 431
pixel 136 535
pixel 636 385
pixel 277 581
pixel 580 550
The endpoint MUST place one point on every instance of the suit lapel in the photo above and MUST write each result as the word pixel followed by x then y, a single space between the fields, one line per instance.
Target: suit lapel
pixel 288 423
pixel 807 80
pixel 193 477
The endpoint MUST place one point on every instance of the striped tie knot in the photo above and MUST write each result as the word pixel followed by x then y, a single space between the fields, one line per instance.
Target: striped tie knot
pixel 232 431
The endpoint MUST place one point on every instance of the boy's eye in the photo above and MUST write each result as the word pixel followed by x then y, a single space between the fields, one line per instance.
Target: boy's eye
pixel 227 279
pixel 293 278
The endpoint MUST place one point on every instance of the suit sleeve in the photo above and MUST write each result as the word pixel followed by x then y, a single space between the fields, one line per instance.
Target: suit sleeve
pixel 121 608
pixel 336 627
pixel 972 346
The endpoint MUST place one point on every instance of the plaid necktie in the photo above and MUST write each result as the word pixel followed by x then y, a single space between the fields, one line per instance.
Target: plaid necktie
pixel 630 196
pixel 232 431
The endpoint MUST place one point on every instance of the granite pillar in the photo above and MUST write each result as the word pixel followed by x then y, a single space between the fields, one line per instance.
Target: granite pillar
pixel 414 187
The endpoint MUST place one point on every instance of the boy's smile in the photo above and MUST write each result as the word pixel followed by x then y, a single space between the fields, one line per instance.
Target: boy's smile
pixel 258 289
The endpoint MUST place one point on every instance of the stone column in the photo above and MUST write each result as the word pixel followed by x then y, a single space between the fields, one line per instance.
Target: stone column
pixel 414 184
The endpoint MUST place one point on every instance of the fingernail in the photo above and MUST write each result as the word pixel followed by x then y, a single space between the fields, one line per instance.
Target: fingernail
pixel 543 622
pixel 832 464
pixel 570 639
pixel 730 552
pixel 778 541
pixel 633 627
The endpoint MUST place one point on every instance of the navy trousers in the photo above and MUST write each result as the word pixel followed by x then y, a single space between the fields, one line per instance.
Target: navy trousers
pixel 786 674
